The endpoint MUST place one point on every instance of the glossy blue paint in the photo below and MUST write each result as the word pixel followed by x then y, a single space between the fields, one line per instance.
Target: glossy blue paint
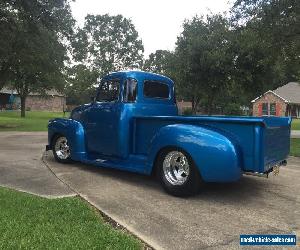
pixel 74 132
pixel 211 151
pixel 129 136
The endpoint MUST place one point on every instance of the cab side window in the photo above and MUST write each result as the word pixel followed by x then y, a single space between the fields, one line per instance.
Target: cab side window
pixel 153 89
pixel 130 90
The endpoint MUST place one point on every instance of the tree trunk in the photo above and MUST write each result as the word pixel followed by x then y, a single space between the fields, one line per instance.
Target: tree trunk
pixel 209 106
pixel 23 100
pixel 194 105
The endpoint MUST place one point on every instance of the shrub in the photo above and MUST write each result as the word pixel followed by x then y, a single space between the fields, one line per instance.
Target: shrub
pixel 232 109
pixel 187 111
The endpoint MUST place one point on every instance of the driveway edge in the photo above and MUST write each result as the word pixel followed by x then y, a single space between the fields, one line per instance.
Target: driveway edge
pixel 113 220
pixel 50 197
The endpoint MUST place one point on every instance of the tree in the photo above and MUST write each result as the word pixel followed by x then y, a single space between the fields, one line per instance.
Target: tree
pixel 7 31
pixel 204 61
pixel 105 44
pixel 254 64
pixel 80 84
pixel 37 30
pixel 268 47
pixel 160 62
pixel 108 43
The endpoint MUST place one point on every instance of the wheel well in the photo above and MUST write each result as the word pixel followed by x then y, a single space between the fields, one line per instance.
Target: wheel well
pixel 155 165
pixel 164 150
pixel 55 135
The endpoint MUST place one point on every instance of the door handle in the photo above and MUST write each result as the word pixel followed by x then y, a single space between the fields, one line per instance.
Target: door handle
pixel 92 124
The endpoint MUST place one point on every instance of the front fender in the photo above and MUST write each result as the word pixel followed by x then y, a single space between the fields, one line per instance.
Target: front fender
pixel 215 155
pixel 74 132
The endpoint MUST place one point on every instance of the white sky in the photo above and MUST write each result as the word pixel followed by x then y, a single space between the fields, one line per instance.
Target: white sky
pixel 158 22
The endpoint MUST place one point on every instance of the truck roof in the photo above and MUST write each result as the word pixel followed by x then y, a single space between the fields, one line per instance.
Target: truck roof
pixel 139 75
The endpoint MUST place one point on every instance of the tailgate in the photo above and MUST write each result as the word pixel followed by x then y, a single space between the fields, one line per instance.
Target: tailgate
pixel 276 140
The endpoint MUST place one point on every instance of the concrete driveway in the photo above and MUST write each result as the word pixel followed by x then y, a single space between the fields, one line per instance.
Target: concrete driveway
pixel 295 134
pixel 21 166
pixel 213 219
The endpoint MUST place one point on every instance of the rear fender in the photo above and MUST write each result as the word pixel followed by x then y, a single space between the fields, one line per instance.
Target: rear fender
pixel 215 156
pixel 74 132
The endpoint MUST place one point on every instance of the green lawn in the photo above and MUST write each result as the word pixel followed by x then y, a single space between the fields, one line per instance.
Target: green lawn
pixel 34 121
pixel 32 222
pixel 296 124
pixel 295 147
pixel 37 121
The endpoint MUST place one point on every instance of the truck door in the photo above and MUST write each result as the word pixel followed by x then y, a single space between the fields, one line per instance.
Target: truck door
pixel 103 119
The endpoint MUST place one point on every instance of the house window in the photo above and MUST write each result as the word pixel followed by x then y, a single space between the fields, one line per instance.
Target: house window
pixel 273 109
pixel 265 109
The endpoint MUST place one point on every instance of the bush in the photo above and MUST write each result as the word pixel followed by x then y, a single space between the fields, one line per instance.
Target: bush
pixel 187 111
pixel 232 109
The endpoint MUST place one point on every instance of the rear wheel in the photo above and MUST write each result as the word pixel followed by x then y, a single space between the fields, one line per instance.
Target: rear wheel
pixel 61 149
pixel 177 172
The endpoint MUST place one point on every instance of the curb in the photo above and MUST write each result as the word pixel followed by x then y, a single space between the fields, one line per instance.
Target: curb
pixel 50 197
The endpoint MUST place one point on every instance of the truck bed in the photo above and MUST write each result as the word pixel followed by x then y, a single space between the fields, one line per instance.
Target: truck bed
pixel 262 141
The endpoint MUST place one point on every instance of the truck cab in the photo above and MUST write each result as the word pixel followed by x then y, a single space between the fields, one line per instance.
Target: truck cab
pixel 133 124
pixel 120 97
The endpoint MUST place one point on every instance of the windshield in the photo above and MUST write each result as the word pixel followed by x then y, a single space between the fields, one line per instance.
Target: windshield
pixel 108 91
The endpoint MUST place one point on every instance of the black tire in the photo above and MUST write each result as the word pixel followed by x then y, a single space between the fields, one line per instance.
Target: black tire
pixel 192 182
pixel 59 158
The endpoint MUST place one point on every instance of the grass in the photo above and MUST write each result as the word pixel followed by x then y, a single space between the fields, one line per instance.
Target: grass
pixel 32 222
pixel 34 120
pixel 295 147
pixel 37 121
pixel 296 124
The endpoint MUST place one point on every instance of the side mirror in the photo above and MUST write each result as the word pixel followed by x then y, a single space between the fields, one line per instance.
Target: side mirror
pixel 93 99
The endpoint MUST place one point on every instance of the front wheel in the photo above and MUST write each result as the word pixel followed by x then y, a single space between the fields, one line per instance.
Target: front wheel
pixel 177 173
pixel 61 149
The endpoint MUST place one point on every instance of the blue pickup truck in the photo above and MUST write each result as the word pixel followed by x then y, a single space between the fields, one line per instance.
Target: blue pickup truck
pixel 133 124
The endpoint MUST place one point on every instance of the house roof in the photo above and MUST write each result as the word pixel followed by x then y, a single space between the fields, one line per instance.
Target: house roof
pixel 269 91
pixel 51 92
pixel 289 93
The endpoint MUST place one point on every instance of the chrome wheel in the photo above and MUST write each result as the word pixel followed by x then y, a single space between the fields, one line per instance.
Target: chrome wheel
pixel 62 148
pixel 176 168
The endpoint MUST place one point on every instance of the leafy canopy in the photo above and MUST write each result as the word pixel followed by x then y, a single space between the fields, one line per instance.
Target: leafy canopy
pixel 105 44
pixel 108 43
pixel 204 60
pixel 34 45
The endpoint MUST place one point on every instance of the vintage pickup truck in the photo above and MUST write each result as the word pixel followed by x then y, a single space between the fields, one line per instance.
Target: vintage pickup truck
pixel 133 124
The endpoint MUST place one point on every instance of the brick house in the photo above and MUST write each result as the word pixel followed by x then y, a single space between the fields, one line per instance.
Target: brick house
pixel 52 101
pixel 283 101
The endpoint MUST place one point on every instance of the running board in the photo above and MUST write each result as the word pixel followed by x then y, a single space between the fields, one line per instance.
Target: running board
pixel 134 163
